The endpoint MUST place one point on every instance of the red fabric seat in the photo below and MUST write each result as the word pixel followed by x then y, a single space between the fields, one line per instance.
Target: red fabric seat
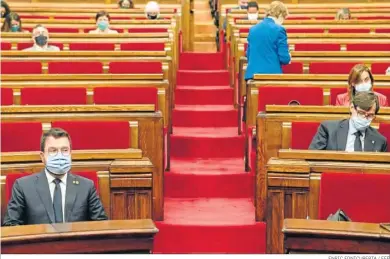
pixel 20 136
pixel 243 30
pixel 368 46
pixel 363 197
pixel 380 68
pixel 384 129
pixel 135 67
pixel 6 46
pixel 31 16
pixel 345 30
pixel 334 92
pixel 63 30
pixel 21 67
pixel 293 68
pixel 331 67
pixel 126 95
pixel 7 96
pixel 97 134
pixel 92 46
pixel 75 67
pixel 302 134
pixel 270 95
pixel 317 47
pixel 307 30
pixel 384 91
pixel 383 30
pixel 149 46
pixel 142 30
pixel 53 96
pixel 12 177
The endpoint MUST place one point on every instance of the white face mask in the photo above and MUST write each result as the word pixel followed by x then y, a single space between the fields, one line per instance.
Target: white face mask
pixel 253 16
pixel 363 87
pixel 361 124
pixel 280 20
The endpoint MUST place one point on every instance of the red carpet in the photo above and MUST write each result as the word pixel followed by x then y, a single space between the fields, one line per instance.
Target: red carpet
pixel 208 195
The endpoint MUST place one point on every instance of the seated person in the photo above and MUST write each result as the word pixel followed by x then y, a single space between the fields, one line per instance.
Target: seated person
pixel 54 195
pixel 388 71
pixel 40 36
pixel 126 4
pixel 103 23
pixel 360 79
pixel 355 133
pixel 5 10
pixel 343 14
pixel 152 10
pixel 12 23
pixel 253 11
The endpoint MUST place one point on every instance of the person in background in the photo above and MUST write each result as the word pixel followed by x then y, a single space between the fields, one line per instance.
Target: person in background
pixel 343 14
pixel 40 36
pixel 253 11
pixel 353 134
pixel 126 4
pixel 12 23
pixel 5 10
pixel 152 10
pixel 360 79
pixel 267 43
pixel 102 23
pixel 54 195
pixel 388 71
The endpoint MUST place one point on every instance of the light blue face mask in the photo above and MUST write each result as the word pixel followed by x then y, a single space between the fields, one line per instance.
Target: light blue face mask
pixel 15 28
pixel 102 25
pixel 363 87
pixel 59 164
pixel 361 124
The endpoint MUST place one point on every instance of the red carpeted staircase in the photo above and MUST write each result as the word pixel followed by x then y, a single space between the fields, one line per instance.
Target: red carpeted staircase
pixel 208 196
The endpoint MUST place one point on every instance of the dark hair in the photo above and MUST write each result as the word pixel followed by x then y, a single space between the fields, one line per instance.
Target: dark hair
pixel 253 4
pixel 131 4
pixel 7 22
pixel 365 101
pixel 55 133
pixel 6 7
pixel 102 14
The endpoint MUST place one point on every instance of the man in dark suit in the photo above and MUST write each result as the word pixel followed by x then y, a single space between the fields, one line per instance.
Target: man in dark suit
pixel 54 195
pixel 355 133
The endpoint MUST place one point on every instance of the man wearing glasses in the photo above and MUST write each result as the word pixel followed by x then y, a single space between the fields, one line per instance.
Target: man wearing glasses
pixel 54 195
pixel 355 133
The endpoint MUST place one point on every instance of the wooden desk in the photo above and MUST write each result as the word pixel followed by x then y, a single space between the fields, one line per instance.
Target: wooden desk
pixel 115 236
pixel 321 236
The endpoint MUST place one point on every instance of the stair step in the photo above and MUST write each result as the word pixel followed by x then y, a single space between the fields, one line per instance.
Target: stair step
pixel 201 61
pixel 204 95
pixel 200 116
pixel 199 78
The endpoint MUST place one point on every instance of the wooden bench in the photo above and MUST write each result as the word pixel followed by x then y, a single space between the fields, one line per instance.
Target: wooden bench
pixel 292 184
pixel 120 172
pixel 145 132
pixel 119 236
pixel 319 236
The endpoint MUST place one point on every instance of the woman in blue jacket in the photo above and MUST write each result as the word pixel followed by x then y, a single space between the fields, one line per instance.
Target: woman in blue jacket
pixel 267 43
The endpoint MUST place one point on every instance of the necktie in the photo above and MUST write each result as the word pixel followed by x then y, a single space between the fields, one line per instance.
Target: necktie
pixel 358 142
pixel 57 202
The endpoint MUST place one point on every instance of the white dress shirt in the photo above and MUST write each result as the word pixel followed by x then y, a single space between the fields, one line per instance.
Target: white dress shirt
pixel 350 147
pixel 52 186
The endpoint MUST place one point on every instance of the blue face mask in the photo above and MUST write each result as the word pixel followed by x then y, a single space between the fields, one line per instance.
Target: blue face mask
pixel 59 164
pixel 361 124
pixel 15 28
pixel 102 25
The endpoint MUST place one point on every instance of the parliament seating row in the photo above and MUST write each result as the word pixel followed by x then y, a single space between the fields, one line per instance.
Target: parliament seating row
pixel 117 127
pixel 313 184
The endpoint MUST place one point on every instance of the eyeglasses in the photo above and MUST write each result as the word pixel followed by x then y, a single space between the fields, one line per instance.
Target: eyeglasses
pixel 363 114
pixel 54 151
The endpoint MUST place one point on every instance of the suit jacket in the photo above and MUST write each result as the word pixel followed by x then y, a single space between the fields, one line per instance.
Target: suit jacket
pixel 31 201
pixel 332 135
pixel 343 100
pixel 49 48
pixel 267 49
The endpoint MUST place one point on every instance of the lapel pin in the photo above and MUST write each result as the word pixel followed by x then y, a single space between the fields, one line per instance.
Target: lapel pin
pixel 76 182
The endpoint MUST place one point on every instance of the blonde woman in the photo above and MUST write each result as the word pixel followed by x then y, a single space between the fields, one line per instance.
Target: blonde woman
pixel 343 14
